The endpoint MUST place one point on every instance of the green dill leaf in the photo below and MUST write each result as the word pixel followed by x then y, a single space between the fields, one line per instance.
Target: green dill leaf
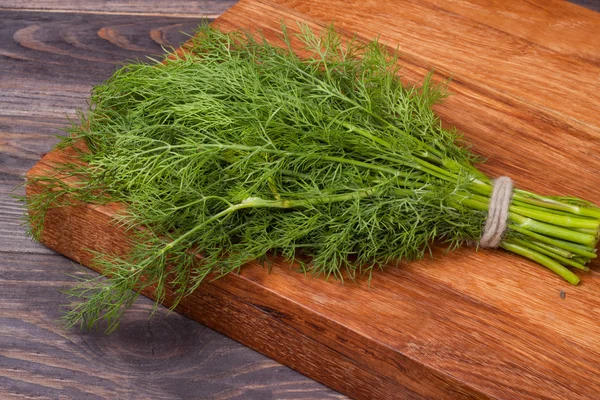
pixel 237 149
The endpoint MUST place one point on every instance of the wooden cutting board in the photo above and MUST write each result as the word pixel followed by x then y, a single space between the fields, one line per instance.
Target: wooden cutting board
pixel 466 324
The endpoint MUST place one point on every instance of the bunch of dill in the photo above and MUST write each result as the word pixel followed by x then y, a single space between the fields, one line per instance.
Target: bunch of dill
pixel 237 148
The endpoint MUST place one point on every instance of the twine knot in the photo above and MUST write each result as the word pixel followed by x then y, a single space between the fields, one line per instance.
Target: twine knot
pixel 496 222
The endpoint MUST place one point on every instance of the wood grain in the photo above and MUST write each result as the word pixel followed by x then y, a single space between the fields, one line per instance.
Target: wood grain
pixel 168 357
pixel 461 325
pixel 551 24
pixel 48 64
pixel 59 56
pixel 174 8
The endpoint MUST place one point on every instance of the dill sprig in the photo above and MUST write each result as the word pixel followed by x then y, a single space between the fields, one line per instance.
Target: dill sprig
pixel 236 149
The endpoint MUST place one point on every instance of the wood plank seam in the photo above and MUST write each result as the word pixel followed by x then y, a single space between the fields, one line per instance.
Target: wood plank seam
pixel 110 13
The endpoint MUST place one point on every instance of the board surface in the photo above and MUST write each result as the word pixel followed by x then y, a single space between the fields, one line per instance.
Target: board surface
pixel 465 324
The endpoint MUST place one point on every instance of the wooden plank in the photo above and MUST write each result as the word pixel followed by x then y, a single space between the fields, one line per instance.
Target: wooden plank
pixel 167 357
pixel 554 24
pixel 175 8
pixel 12 232
pixel 466 324
pixel 39 79
pixel 590 4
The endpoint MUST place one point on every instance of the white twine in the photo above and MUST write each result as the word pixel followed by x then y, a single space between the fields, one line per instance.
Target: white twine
pixel 495 224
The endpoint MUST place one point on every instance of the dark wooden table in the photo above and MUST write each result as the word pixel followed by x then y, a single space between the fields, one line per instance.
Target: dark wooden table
pixel 51 53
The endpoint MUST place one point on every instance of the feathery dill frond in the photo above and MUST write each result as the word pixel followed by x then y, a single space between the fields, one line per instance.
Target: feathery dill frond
pixel 238 148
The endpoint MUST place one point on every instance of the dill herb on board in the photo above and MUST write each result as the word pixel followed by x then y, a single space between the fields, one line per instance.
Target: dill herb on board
pixel 237 148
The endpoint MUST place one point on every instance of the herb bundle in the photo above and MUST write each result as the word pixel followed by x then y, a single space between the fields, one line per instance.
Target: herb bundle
pixel 237 149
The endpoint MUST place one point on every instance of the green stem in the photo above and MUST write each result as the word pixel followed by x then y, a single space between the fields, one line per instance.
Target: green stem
pixel 537 213
pixel 552 230
pixel 555 219
pixel 533 198
pixel 367 134
pixel 572 247
pixel 540 201
pixel 337 159
pixel 542 250
pixel 533 225
pixel 554 249
pixel 543 260
pixel 421 164
pixel 257 202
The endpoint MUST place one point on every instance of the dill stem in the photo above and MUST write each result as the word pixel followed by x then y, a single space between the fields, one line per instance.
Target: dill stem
pixel 532 198
pixel 572 247
pixel 541 201
pixel 543 260
pixel 195 229
pixel 556 250
pixel 549 253
pixel 543 215
pixel 367 134
pixel 337 159
pixel 535 226
pixel 257 202
pixel 421 163
pixel 552 230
